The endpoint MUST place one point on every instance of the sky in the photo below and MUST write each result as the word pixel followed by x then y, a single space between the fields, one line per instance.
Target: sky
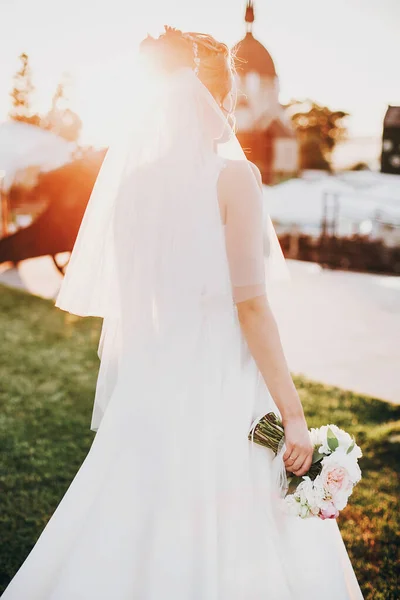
pixel 341 53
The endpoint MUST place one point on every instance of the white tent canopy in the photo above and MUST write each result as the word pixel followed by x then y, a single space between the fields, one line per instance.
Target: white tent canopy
pixel 361 196
pixel 300 201
pixel 23 145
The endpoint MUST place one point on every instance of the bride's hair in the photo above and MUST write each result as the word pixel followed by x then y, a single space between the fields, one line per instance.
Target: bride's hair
pixel 175 49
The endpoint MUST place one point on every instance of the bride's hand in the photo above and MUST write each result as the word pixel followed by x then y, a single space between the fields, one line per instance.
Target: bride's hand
pixel 299 450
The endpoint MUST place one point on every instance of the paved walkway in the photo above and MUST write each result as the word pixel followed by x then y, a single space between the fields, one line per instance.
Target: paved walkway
pixel 342 328
pixel 337 327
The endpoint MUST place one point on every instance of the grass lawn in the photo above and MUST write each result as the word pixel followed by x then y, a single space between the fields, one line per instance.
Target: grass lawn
pixel 48 370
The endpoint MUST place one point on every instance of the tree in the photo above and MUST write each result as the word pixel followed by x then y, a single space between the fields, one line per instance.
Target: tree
pixel 21 94
pixel 318 129
pixel 61 119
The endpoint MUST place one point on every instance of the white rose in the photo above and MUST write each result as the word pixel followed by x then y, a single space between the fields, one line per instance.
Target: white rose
pixel 316 436
pixel 304 511
pixel 340 499
pixel 292 505
pixel 319 490
pixel 356 452
pixel 304 490
pixel 318 495
pixel 321 439
pixel 310 495
pixel 344 438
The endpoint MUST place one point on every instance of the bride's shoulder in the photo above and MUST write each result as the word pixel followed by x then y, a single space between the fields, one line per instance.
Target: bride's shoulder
pixel 239 173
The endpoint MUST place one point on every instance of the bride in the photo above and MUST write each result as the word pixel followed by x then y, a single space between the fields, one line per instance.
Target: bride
pixel 173 502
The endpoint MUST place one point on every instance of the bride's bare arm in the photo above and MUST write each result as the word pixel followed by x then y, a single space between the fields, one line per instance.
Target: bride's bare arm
pixel 261 332
pixel 241 204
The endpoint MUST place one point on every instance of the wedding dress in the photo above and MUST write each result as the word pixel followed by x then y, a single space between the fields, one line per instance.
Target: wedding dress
pixel 173 502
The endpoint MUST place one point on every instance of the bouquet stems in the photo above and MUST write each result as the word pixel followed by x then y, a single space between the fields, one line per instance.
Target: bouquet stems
pixel 269 432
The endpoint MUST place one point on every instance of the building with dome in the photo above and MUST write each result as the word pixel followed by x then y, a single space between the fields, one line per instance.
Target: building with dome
pixel 263 128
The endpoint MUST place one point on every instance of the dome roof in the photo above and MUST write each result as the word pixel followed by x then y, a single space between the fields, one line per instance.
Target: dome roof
pixel 251 56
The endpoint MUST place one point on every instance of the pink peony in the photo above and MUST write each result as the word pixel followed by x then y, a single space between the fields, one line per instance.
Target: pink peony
pixel 329 512
pixel 335 478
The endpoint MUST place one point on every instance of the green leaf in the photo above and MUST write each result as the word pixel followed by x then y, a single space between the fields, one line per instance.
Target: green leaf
pixel 333 442
pixel 350 448
pixel 317 456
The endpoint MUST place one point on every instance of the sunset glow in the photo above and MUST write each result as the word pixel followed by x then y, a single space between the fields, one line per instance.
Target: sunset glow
pixel 343 56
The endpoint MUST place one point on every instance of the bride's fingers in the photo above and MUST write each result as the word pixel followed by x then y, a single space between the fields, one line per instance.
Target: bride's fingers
pixel 302 470
pixel 290 461
pixel 290 455
pixel 289 450
pixel 297 463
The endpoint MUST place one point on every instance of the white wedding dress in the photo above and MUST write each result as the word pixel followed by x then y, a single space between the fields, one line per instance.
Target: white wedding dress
pixel 173 502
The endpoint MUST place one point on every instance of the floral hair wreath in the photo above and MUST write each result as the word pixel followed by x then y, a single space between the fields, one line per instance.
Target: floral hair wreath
pixel 172 32
pixel 196 58
pixel 195 39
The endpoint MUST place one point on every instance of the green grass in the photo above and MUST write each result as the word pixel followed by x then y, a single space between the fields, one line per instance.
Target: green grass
pixel 48 370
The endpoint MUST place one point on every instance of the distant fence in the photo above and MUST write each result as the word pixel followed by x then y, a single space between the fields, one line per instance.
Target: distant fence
pixel 356 252
pixel 367 252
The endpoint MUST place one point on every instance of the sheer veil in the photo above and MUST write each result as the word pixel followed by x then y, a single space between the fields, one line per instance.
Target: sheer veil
pixel 151 249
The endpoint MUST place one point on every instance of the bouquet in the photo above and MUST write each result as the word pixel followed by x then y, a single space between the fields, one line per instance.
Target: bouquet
pixel 324 490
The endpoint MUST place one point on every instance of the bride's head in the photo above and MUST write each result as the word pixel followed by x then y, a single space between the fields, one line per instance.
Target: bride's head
pixel 211 60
